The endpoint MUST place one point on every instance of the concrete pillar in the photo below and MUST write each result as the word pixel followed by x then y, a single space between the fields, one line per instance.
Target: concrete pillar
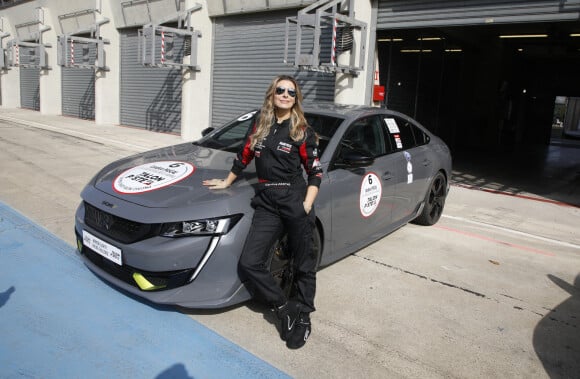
pixel 10 85
pixel 50 79
pixel 196 90
pixel 357 90
pixel 107 85
pixel 10 77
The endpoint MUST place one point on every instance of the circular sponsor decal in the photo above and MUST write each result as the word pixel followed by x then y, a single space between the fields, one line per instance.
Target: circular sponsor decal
pixel 152 176
pixel 370 194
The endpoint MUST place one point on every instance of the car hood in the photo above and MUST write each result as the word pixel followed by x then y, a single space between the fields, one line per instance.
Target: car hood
pixel 171 177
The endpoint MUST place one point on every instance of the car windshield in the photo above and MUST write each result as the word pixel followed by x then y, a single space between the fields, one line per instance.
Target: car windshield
pixel 232 136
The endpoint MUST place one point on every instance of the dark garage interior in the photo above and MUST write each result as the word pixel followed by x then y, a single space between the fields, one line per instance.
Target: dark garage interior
pixel 484 87
pixel 506 97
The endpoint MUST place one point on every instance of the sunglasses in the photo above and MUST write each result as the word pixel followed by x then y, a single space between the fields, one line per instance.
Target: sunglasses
pixel 281 90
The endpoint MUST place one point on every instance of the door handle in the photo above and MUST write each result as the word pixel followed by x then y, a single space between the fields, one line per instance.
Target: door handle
pixel 426 162
pixel 387 176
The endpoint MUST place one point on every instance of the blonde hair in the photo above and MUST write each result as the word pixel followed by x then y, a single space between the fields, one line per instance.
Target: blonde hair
pixel 298 123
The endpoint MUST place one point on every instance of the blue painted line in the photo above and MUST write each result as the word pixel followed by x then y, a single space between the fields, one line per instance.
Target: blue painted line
pixel 58 320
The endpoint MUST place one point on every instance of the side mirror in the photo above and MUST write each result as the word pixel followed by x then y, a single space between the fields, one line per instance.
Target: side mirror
pixel 207 131
pixel 352 159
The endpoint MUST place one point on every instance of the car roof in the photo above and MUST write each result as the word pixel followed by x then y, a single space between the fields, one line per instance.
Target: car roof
pixel 344 111
pixel 335 109
pixel 352 112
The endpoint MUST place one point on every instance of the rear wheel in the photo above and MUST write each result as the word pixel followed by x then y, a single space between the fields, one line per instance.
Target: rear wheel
pixel 281 262
pixel 434 201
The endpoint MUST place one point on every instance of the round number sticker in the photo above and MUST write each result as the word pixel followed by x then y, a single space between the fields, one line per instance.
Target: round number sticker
pixel 152 176
pixel 370 194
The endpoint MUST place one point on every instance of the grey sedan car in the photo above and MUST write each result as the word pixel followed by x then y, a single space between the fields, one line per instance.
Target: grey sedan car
pixel 147 225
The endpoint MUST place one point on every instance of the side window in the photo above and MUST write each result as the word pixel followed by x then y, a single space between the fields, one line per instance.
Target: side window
pixel 420 137
pixel 403 134
pixel 365 136
pixel 325 127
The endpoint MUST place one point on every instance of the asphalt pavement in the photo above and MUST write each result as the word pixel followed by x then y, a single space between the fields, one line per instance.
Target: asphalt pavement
pixel 490 291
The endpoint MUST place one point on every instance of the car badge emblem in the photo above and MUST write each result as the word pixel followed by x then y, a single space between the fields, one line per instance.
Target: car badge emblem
pixel 104 220
pixel 107 222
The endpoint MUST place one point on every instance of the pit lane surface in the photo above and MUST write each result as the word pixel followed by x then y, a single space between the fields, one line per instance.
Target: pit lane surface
pixel 59 321
pixel 490 291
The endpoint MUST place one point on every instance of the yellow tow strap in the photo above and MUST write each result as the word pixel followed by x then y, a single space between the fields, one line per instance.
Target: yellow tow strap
pixel 143 283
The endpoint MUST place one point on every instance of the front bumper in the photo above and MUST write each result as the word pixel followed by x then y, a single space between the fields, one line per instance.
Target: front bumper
pixel 194 272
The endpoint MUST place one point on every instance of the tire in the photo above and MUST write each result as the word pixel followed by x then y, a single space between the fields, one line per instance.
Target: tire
pixel 434 201
pixel 281 262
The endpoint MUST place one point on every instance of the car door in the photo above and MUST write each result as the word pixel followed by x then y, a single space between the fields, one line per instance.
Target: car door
pixel 415 167
pixel 361 192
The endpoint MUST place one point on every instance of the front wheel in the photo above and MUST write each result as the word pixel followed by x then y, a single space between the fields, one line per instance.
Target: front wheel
pixel 434 201
pixel 281 261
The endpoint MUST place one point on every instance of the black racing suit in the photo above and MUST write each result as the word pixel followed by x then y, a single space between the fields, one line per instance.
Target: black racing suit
pixel 279 208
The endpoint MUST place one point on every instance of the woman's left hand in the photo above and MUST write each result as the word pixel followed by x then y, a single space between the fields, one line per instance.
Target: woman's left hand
pixel 311 193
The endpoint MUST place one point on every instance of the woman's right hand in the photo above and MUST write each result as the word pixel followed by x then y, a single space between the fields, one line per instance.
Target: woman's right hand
pixel 215 184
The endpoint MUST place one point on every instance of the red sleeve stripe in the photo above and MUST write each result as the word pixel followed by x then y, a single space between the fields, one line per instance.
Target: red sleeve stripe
pixel 304 156
pixel 247 153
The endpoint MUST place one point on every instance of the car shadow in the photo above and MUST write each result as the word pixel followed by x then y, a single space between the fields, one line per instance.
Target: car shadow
pixel 253 305
pixel 556 338
pixel 265 310
pixel 207 311
pixel 158 307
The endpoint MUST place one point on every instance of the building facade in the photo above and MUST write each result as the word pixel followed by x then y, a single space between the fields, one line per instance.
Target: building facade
pixel 490 68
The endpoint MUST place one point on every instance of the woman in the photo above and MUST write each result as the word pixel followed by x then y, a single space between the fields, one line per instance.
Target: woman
pixel 283 144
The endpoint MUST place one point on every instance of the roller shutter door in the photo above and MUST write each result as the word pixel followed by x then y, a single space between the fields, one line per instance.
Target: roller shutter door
pixel 150 97
pixel 30 88
pixel 397 14
pixel 248 54
pixel 78 92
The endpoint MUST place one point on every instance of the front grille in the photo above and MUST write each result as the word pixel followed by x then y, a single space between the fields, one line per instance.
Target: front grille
pixel 118 228
pixel 167 279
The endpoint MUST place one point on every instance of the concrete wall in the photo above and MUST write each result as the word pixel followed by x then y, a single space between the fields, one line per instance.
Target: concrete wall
pixel 9 79
pixel 196 85
pixel 196 91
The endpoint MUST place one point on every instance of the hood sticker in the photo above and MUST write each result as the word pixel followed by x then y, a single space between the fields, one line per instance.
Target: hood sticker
pixel 152 176
pixel 371 191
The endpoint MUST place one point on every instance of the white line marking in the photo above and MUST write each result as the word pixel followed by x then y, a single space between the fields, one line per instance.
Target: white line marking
pixel 550 240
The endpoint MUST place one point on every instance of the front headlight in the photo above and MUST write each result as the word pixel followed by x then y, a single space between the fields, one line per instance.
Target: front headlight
pixel 205 227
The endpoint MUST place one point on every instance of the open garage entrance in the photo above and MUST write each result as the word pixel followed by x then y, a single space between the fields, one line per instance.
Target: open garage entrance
pixel 486 86
pixel 505 97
